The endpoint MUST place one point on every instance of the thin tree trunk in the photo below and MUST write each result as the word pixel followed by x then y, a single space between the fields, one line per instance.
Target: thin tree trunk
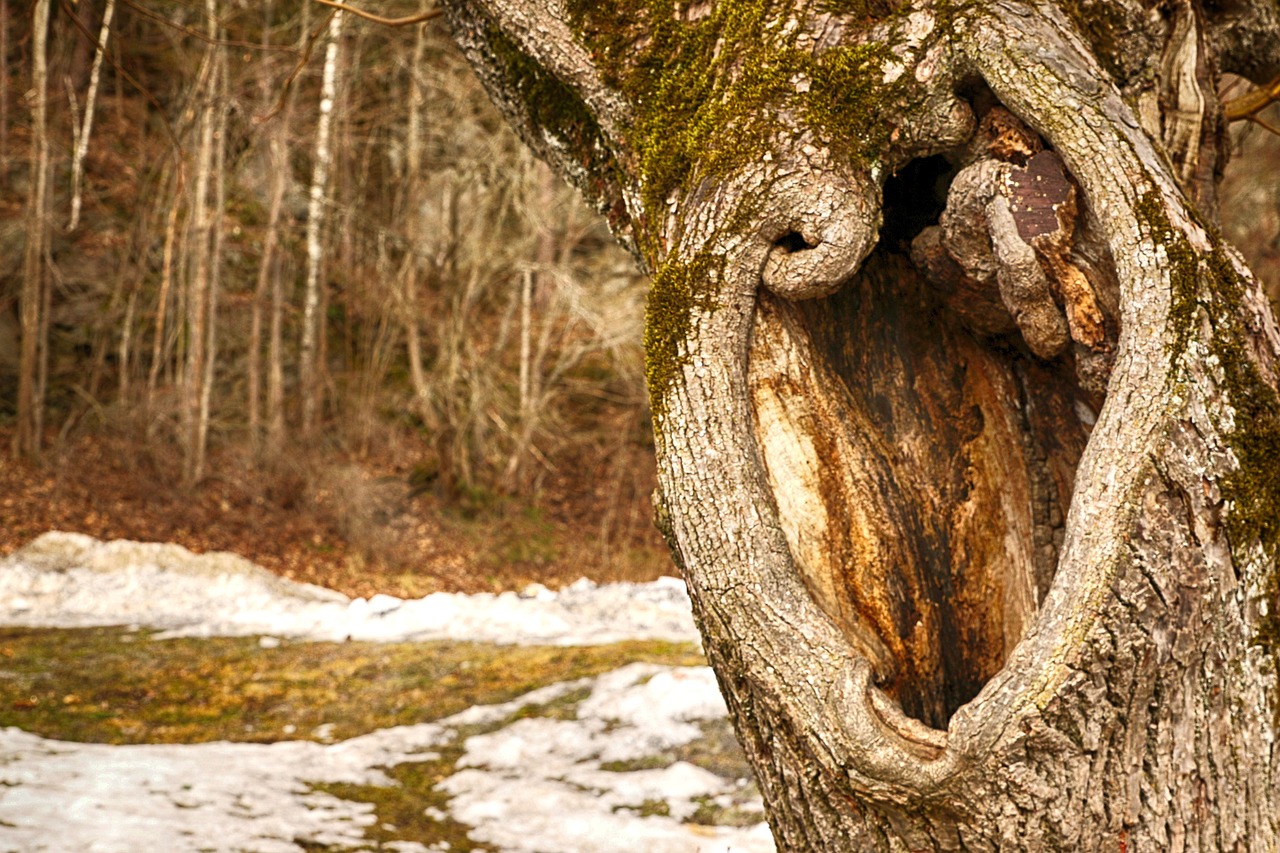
pixel 34 298
pixel 268 284
pixel 166 286
pixel 276 424
pixel 86 125
pixel 536 292
pixel 4 89
pixel 220 94
pixel 200 239
pixel 124 351
pixel 412 213
pixel 277 166
pixel 308 371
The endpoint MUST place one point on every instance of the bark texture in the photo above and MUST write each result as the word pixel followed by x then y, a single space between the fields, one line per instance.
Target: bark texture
pixel 966 416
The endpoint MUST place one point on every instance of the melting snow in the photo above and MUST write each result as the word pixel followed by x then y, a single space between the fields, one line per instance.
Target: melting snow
pixel 533 784
pixel 71 580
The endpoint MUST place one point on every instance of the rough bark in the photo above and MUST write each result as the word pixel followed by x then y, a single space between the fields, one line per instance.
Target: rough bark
pixel 965 414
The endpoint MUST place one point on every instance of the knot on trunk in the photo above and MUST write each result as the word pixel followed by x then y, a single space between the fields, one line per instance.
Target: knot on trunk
pixel 820 225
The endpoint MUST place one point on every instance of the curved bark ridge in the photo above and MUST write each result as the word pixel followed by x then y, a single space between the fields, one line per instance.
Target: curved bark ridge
pixel 921 426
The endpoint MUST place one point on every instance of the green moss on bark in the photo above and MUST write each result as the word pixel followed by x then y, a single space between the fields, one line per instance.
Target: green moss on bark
pixel 1107 29
pixel 710 89
pixel 678 288
pixel 846 102
pixel 557 111
pixel 1254 487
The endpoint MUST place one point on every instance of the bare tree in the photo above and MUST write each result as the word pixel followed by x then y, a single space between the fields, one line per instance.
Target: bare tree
pixel 4 89
pixel 200 293
pixel 312 299
pixel 85 127
pixel 965 414
pixel 35 286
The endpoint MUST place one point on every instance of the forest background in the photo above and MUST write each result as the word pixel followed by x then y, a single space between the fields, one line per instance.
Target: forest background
pixel 278 280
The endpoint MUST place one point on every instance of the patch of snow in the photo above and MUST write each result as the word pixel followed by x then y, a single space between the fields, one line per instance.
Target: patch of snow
pixel 535 785
pixel 538 784
pixel 59 796
pixel 72 580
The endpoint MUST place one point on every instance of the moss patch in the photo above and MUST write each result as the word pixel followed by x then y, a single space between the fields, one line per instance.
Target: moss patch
pixel 556 110
pixel 708 90
pixel 709 87
pixel 414 810
pixel 106 685
pixel 411 809
pixel 845 103
pixel 1254 489
pixel 712 813
pixel 678 288
pixel 1107 29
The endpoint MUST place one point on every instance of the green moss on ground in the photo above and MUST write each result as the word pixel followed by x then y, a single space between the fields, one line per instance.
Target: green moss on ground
pixel 411 809
pixel 414 810
pixel 107 685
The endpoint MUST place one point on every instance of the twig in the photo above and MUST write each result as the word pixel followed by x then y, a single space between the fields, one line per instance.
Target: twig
pixel 297 69
pixel 1265 125
pixel 386 22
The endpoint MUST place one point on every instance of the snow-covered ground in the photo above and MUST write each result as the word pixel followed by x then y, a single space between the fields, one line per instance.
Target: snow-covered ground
pixel 71 580
pixel 562 783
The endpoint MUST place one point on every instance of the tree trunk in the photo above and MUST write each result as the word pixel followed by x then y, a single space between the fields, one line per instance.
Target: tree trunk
pixel 4 90
pixel 412 200
pixel 312 315
pixel 33 355
pixel 85 126
pixel 201 285
pixel 966 415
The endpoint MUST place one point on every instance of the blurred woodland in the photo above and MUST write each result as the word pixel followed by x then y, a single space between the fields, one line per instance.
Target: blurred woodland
pixel 277 279
pixel 266 265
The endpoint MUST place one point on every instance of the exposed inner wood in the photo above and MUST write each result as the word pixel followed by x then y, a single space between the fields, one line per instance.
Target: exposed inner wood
pixel 922 475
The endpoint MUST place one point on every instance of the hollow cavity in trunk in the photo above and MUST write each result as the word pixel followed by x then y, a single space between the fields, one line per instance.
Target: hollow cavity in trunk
pixel 922 474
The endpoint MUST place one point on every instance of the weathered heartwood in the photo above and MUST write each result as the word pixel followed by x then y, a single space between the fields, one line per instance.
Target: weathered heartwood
pixel 966 419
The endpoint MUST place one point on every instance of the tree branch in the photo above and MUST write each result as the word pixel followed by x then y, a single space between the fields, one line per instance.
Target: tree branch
pixel 1248 105
pixel 386 22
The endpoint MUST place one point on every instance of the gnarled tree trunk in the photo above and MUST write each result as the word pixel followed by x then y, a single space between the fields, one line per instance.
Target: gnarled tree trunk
pixel 966 416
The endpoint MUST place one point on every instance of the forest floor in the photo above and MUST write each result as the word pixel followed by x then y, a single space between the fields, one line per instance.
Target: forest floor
pixel 355 525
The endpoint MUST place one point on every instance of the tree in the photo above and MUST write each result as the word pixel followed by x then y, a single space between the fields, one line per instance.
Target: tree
pixel 308 368
pixel 34 298
pixel 965 414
